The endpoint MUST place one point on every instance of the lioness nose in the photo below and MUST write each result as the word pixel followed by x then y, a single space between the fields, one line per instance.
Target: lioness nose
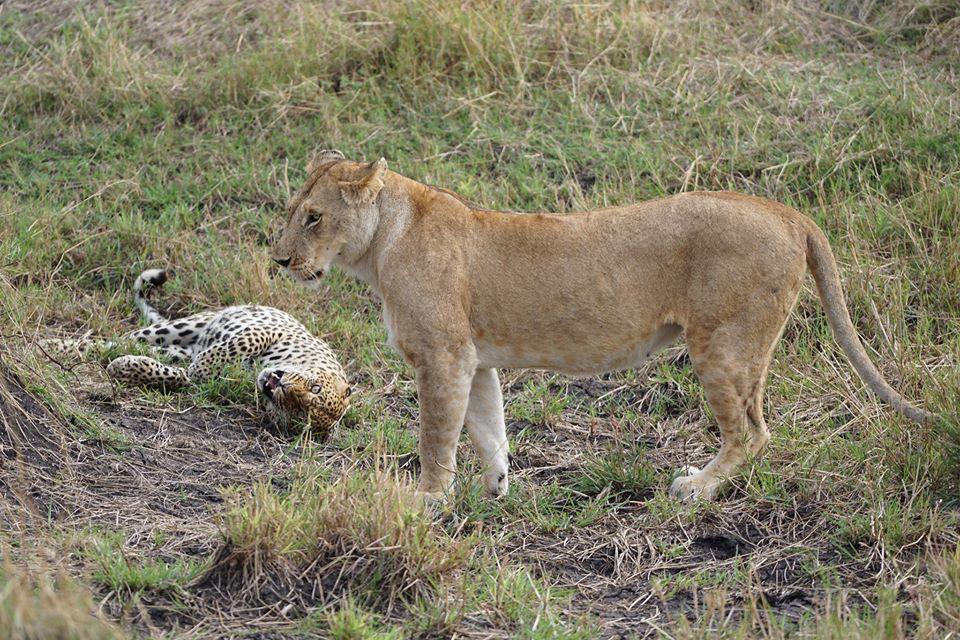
pixel 283 262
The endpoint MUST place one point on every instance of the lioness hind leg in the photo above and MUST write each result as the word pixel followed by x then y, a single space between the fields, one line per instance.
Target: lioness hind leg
pixel 732 370
pixel 729 408
pixel 759 434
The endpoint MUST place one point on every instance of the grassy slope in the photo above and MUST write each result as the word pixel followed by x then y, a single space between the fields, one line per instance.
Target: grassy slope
pixel 135 134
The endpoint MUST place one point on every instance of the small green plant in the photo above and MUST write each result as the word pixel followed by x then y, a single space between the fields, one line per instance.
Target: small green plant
pixel 514 596
pixel 623 473
pixel 349 622
pixel 537 403
pixel 126 575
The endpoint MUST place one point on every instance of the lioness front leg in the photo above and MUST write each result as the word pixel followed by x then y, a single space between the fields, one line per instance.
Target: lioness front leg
pixel 444 390
pixel 487 430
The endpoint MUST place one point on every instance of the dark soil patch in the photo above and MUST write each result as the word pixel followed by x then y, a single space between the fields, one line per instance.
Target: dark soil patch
pixel 585 178
pixel 159 466
pixel 720 546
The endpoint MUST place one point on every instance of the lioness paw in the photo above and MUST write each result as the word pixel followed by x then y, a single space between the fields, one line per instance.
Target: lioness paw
pixel 692 487
pixel 496 482
pixel 430 495
pixel 435 502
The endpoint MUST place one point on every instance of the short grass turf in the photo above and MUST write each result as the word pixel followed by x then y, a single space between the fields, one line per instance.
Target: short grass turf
pixel 137 134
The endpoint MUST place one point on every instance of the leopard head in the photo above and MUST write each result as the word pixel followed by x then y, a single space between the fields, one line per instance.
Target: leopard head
pixel 318 400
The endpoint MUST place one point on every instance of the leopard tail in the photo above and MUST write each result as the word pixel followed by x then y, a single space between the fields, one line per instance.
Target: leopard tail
pixel 146 282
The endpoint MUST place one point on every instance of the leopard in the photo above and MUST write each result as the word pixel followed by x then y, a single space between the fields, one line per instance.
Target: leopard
pixel 300 376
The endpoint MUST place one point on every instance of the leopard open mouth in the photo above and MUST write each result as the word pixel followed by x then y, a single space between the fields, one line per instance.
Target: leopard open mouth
pixel 272 383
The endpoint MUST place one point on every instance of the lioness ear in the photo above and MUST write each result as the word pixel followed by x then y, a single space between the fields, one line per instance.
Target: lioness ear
pixel 364 189
pixel 321 157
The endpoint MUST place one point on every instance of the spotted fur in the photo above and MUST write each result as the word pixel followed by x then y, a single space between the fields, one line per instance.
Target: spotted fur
pixel 299 377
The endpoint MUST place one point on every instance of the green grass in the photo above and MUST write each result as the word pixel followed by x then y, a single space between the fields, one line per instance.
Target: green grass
pixel 350 622
pixel 620 473
pixel 528 605
pixel 134 136
pixel 548 507
pixel 537 404
pixel 128 576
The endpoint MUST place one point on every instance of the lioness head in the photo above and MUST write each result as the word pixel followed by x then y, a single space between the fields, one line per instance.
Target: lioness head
pixel 318 400
pixel 333 217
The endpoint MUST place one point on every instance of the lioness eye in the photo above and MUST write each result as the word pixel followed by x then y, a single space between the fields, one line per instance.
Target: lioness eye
pixel 312 219
pixel 315 389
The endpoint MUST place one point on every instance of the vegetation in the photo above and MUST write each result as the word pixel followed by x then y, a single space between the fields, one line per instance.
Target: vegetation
pixel 136 134
pixel 43 604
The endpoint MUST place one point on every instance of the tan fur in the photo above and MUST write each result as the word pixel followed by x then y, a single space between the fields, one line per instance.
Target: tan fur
pixel 466 291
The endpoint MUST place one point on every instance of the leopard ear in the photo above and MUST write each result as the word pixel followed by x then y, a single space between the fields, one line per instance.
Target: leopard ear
pixel 322 157
pixel 365 188
pixel 343 388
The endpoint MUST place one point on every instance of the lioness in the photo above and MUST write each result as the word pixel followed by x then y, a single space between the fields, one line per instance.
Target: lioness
pixel 465 291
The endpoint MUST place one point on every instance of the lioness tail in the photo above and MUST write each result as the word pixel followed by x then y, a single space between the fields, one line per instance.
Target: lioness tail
pixel 824 268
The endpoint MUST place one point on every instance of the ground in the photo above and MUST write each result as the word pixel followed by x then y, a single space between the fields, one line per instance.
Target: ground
pixel 141 134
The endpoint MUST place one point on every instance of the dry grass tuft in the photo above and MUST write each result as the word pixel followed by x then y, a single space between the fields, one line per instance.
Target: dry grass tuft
pixel 37 605
pixel 366 534
pixel 32 439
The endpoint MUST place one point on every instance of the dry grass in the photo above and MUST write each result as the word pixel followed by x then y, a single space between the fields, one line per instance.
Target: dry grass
pixel 47 605
pixel 365 534
pixel 138 133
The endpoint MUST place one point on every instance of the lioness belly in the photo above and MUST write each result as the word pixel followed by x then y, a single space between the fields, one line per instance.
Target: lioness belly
pixel 575 357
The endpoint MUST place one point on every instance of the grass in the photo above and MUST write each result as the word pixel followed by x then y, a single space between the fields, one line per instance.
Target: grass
pixel 368 529
pixel 134 135
pixel 620 472
pixel 363 557
pixel 127 577
pixel 40 604
pixel 350 622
